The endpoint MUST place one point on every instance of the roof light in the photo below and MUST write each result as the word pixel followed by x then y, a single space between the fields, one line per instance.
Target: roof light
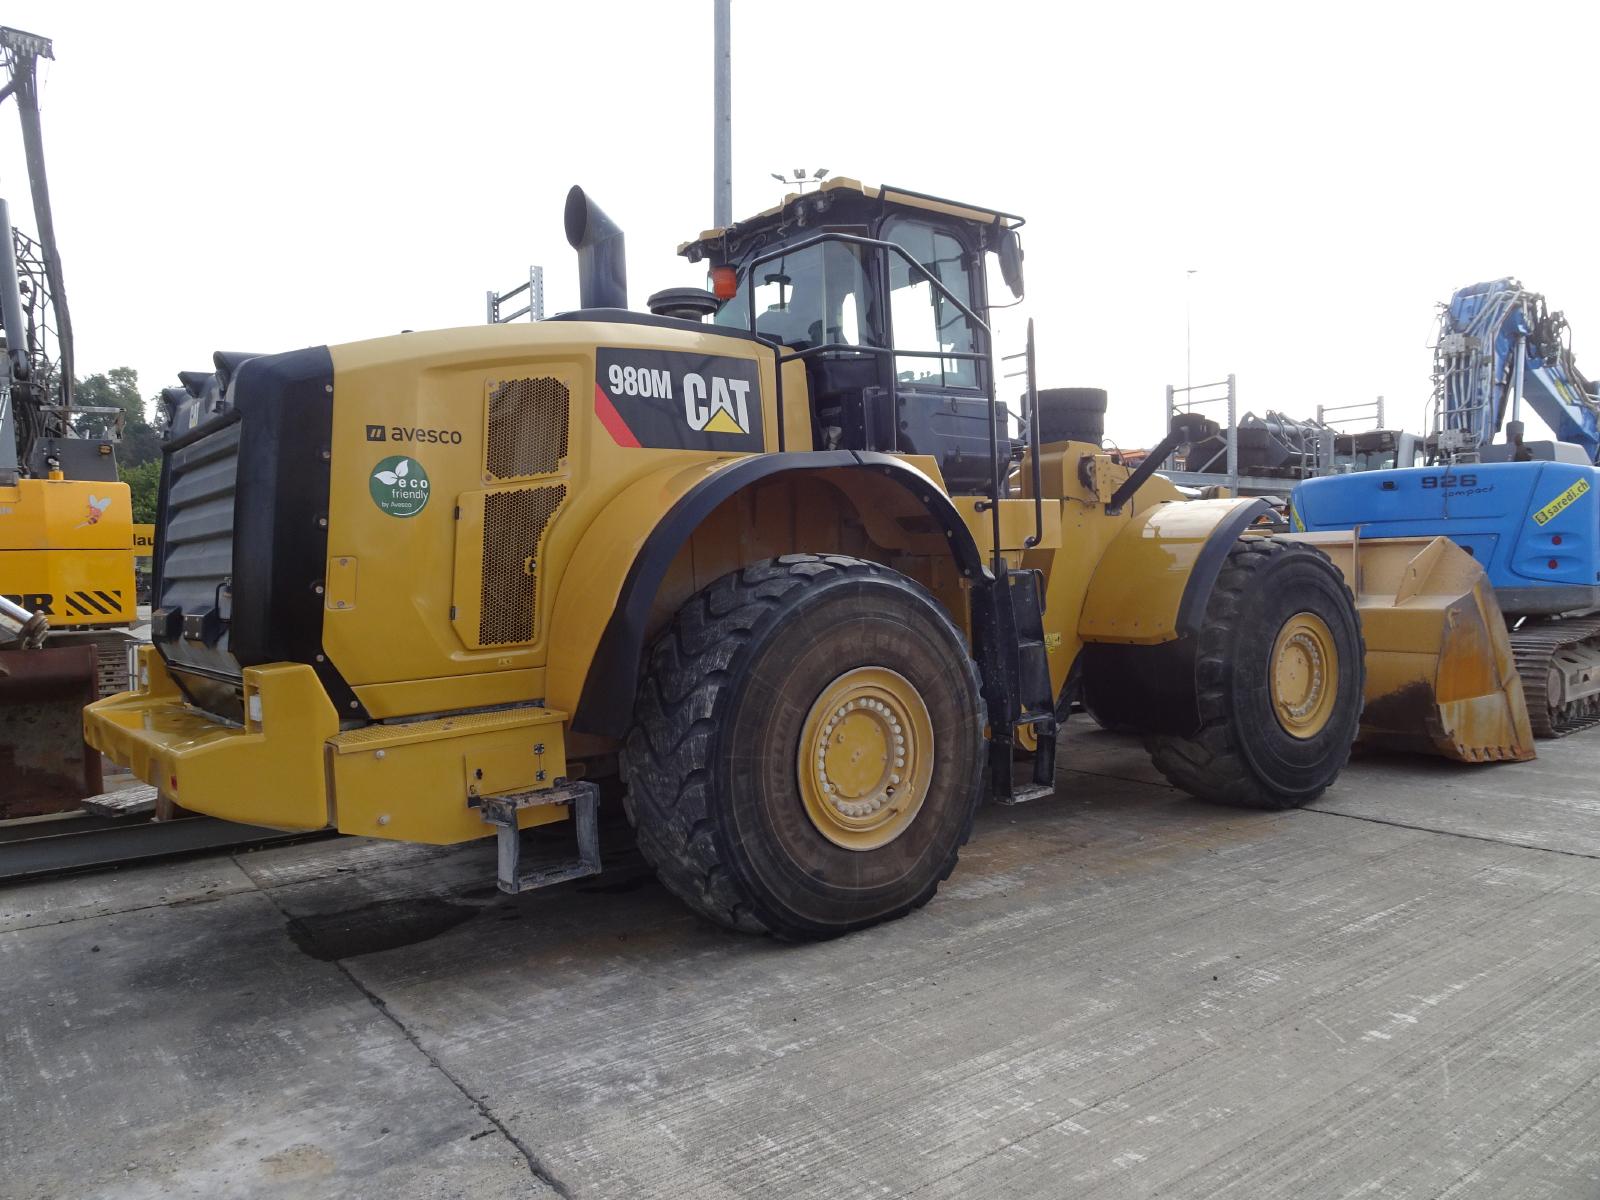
pixel 724 283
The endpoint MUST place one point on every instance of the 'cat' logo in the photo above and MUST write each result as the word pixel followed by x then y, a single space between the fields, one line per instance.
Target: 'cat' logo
pixel 722 406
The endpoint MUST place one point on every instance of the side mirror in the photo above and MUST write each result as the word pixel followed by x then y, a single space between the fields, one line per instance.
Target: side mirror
pixel 1010 254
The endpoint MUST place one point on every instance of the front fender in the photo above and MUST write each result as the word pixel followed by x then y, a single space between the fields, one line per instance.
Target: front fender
pixel 1145 602
pixel 1154 580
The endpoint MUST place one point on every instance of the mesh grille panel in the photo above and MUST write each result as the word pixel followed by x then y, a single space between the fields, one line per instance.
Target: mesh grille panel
pixel 513 526
pixel 527 427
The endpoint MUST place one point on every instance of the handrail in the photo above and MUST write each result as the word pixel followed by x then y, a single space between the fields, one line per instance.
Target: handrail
pixel 846 347
pixel 1033 447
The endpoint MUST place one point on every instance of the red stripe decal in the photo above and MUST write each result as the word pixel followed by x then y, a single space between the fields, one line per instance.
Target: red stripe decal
pixel 612 419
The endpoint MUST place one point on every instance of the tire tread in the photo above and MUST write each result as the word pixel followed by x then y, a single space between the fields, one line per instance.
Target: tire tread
pixel 667 754
pixel 1210 763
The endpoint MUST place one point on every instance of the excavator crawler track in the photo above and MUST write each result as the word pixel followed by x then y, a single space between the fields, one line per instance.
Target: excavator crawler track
pixel 1535 646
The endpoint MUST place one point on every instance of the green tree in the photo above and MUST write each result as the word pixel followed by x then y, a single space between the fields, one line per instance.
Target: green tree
pixel 119 388
pixel 144 482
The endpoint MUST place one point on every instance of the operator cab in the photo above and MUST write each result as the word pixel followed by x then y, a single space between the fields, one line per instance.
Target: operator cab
pixel 1376 450
pixel 882 293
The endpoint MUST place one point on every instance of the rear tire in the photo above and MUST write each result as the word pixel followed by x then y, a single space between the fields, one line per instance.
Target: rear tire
pixel 731 695
pixel 1275 607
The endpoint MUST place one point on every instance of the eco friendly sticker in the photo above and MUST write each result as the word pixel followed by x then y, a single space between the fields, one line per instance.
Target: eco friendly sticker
pixel 399 486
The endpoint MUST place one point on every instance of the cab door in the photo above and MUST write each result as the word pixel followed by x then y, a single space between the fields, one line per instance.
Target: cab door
pixel 941 367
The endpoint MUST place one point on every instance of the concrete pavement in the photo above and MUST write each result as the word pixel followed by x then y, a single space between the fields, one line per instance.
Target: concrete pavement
pixel 1120 993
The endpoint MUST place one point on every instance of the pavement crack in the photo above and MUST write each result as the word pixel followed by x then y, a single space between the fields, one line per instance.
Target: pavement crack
pixel 175 902
pixel 1135 779
pixel 1471 837
pixel 538 1168
pixel 535 1166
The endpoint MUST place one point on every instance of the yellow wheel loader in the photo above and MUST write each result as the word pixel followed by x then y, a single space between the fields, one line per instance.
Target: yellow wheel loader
pixel 774 557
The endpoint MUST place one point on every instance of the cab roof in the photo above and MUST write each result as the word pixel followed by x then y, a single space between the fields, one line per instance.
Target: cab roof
pixel 793 204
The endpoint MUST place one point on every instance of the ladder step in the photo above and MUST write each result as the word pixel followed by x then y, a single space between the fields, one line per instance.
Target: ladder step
pixel 1022 793
pixel 501 812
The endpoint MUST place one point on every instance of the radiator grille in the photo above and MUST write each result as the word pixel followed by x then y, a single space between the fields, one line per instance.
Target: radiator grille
pixel 527 427
pixel 514 522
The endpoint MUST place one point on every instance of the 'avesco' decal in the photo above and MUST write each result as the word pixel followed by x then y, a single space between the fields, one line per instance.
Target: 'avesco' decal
pixel 669 400
pixel 410 433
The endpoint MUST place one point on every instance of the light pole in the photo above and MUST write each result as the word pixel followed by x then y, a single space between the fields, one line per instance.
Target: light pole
pixel 1188 333
pixel 722 116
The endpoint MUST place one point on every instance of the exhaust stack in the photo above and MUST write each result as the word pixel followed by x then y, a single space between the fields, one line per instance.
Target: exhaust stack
pixel 602 258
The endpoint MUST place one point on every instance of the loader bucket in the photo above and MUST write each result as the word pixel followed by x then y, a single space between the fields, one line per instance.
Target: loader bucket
pixel 45 765
pixel 1440 675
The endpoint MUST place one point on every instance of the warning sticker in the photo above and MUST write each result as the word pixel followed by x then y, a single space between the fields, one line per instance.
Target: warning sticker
pixel 1562 502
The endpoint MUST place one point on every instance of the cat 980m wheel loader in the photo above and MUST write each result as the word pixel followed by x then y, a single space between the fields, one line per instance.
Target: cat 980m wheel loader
pixel 772 555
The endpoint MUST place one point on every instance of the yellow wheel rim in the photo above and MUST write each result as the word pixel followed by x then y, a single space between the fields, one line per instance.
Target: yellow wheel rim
pixel 1304 675
pixel 1027 738
pixel 866 758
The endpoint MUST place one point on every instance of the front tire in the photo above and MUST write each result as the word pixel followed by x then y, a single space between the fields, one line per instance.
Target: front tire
pixel 806 756
pixel 1279 673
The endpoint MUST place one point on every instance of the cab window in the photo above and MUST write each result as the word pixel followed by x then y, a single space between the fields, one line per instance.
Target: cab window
pixel 813 297
pixel 922 319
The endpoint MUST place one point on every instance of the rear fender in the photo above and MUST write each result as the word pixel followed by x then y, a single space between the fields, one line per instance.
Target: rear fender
pixel 607 591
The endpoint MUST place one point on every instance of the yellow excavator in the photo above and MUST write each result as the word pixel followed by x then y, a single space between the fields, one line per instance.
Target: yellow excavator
pixel 66 526
pixel 773 561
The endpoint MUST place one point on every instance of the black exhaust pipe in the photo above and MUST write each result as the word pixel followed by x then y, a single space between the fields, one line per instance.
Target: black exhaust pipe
pixel 602 259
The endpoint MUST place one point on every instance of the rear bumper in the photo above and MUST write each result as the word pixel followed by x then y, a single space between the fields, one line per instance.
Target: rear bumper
pixel 290 767
pixel 243 774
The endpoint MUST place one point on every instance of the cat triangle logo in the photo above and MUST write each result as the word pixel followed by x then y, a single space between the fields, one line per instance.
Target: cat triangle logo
pixel 724 422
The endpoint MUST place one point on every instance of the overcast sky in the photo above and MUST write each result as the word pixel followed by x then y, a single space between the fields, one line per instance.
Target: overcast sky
pixel 263 177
